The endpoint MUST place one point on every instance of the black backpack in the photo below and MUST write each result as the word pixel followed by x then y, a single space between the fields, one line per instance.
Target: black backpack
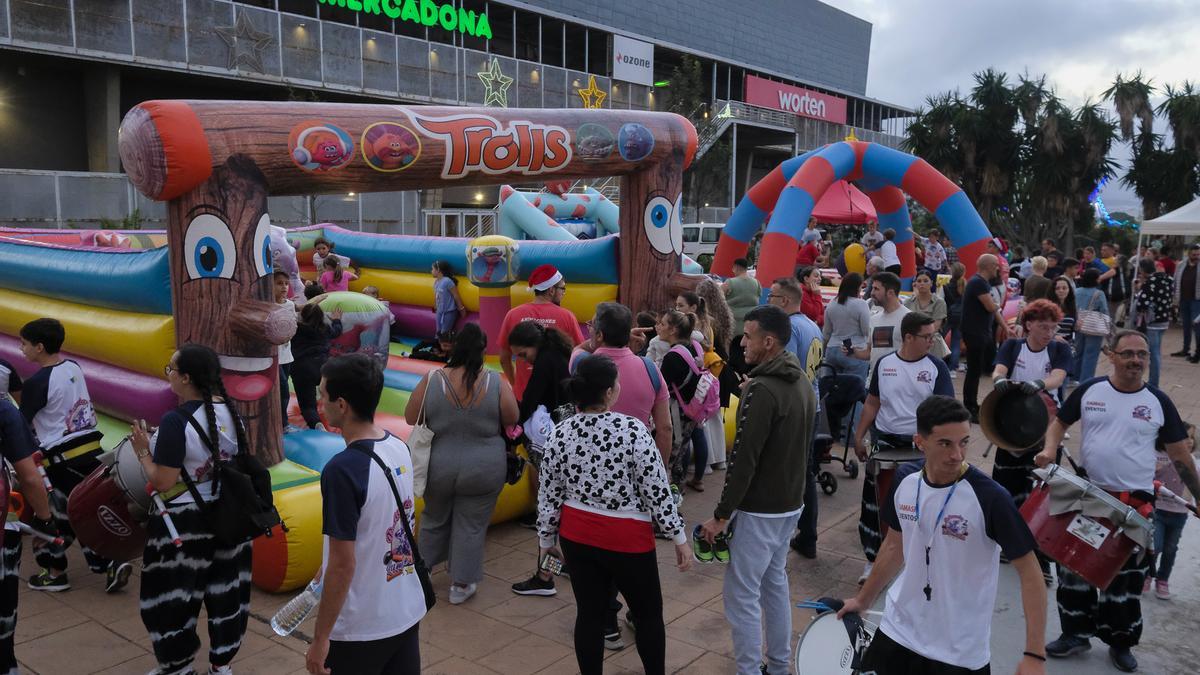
pixel 244 508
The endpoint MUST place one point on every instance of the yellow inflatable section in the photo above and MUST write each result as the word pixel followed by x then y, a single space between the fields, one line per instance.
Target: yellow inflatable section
pixel 139 342
pixel 417 289
pixel 288 560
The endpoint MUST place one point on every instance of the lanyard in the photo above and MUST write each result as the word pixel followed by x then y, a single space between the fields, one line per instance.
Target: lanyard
pixel 929 545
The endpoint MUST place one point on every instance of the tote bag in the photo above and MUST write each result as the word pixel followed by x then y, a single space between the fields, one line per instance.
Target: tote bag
pixel 1093 322
pixel 420 440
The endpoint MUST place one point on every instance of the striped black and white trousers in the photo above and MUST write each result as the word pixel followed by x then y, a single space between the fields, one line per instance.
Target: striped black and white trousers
pixel 10 569
pixel 1113 614
pixel 177 581
pixel 868 519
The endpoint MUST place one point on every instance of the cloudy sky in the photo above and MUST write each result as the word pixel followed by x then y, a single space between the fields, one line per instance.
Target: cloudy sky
pixel 920 47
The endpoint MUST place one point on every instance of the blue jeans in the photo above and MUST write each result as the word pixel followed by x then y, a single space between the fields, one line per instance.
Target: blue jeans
pixel 954 338
pixel 1154 337
pixel 1087 352
pixel 1189 310
pixel 845 364
pixel 1168 528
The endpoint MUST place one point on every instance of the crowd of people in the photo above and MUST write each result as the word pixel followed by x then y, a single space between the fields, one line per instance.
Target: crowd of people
pixel 621 422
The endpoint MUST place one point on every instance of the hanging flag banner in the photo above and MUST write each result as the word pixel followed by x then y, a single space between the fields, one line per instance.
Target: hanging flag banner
pixel 633 60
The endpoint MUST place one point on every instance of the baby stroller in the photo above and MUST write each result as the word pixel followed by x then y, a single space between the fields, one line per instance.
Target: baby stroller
pixel 840 395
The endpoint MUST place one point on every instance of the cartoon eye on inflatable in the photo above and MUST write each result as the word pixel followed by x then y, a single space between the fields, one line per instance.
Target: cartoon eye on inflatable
pixel 676 226
pixel 656 220
pixel 209 251
pixel 264 260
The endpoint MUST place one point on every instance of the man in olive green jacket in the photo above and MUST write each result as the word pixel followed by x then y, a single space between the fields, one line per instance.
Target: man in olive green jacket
pixel 764 492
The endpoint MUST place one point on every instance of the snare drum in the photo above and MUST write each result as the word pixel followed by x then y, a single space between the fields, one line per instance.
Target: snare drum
pixel 825 647
pixel 108 510
pixel 1083 527
pixel 130 475
pixel 883 464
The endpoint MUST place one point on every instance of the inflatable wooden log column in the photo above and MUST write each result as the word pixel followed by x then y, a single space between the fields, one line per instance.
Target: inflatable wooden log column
pixel 218 238
pixel 651 235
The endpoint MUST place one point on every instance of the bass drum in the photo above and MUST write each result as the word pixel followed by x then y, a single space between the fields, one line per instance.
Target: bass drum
pixel 825 647
pixel 104 519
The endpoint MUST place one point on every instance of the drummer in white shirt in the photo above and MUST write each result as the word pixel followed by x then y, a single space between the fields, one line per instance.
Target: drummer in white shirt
pixel 1121 418
pixel 949 522
pixel 900 381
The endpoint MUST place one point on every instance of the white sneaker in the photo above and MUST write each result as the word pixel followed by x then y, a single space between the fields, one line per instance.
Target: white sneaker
pixel 862 579
pixel 223 670
pixel 460 594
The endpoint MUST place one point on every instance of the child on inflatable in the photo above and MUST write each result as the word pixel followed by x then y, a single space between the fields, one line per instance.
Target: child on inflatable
pixel 334 277
pixel 310 349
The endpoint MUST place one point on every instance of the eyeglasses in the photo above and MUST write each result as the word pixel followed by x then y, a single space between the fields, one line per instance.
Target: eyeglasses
pixel 168 369
pixel 774 296
pixel 926 337
pixel 1130 354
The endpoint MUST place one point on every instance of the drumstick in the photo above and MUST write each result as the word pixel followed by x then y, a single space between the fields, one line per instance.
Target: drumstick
pixel 1164 491
pixel 166 516
pixel 26 529
pixel 1082 473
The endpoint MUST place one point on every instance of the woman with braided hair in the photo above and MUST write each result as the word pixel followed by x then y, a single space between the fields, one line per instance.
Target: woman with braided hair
pixel 176 580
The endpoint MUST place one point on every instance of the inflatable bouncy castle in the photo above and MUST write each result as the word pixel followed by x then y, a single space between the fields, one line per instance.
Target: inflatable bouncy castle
pixel 128 299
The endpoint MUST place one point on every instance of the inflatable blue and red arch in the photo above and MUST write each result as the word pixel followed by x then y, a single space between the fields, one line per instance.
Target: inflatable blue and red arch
pixel 787 196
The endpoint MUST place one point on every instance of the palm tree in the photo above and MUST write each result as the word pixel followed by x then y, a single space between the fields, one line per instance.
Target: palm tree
pixel 1182 110
pixel 1131 98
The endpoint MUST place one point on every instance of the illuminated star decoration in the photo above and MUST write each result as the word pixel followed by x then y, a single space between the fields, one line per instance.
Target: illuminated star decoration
pixel 593 96
pixel 246 43
pixel 495 84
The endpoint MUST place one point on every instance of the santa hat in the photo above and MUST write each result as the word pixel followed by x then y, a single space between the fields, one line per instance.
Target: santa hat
pixel 544 277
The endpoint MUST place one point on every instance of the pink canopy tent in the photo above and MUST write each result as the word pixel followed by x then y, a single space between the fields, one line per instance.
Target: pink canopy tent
pixel 844 204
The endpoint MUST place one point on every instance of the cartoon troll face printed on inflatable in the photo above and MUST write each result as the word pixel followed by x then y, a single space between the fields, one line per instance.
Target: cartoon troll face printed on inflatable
pixel 221 265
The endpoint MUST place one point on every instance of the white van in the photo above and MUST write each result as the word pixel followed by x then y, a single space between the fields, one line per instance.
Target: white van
pixel 700 239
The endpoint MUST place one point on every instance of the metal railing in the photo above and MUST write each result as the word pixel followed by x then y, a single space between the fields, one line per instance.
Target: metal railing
pixel 811 133
pixel 469 223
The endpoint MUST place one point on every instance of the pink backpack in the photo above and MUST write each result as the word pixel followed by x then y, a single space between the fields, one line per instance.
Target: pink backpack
pixel 707 399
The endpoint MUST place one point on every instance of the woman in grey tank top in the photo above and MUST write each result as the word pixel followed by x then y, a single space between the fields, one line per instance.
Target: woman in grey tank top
pixel 466 405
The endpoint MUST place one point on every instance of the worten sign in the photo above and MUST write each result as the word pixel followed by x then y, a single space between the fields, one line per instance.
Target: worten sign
pixel 633 60
pixel 423 12
pixel 802 102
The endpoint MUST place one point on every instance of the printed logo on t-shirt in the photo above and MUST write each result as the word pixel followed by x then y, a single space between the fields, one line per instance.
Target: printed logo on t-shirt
pixel 925 376
pixel 955 526
pixel 398 559
pixel 1095 406
pixel 1142 412
pixel 81 416
pixel 882 336
pixel 907 512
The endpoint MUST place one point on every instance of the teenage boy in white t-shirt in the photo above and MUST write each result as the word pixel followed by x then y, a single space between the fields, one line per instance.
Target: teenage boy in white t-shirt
pixel 371 602
pixel 948 523
pixel 56 404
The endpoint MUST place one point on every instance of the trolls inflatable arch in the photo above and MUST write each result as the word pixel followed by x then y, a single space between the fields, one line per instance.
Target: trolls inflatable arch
pixel 790 191
pixel 128 299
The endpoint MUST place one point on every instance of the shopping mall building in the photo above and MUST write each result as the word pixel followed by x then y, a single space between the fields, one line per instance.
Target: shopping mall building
pixel 779 76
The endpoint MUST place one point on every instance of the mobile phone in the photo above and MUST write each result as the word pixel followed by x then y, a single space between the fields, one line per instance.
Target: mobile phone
pixel 847 345
pixel 552 564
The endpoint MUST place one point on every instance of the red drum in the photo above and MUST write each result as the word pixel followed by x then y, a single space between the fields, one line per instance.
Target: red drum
pixel 104 514
pixel 1083 527
pixel 882 465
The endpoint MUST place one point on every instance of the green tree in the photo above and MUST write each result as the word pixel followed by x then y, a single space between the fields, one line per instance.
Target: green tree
pixel 1163 176
pixel 1024 159
pixel 707 179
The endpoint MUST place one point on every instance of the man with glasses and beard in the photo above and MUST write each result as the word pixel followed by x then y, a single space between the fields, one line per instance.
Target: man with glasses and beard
pixel 1122 418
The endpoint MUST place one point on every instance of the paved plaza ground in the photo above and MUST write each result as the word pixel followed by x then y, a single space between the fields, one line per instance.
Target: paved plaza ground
pixel 85 631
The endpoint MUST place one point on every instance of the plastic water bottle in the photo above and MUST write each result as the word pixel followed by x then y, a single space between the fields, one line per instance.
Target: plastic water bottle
pixel 297 609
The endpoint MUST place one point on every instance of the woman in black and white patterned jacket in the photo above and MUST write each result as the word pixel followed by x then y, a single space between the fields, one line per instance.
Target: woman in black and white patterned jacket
pixel 603 487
